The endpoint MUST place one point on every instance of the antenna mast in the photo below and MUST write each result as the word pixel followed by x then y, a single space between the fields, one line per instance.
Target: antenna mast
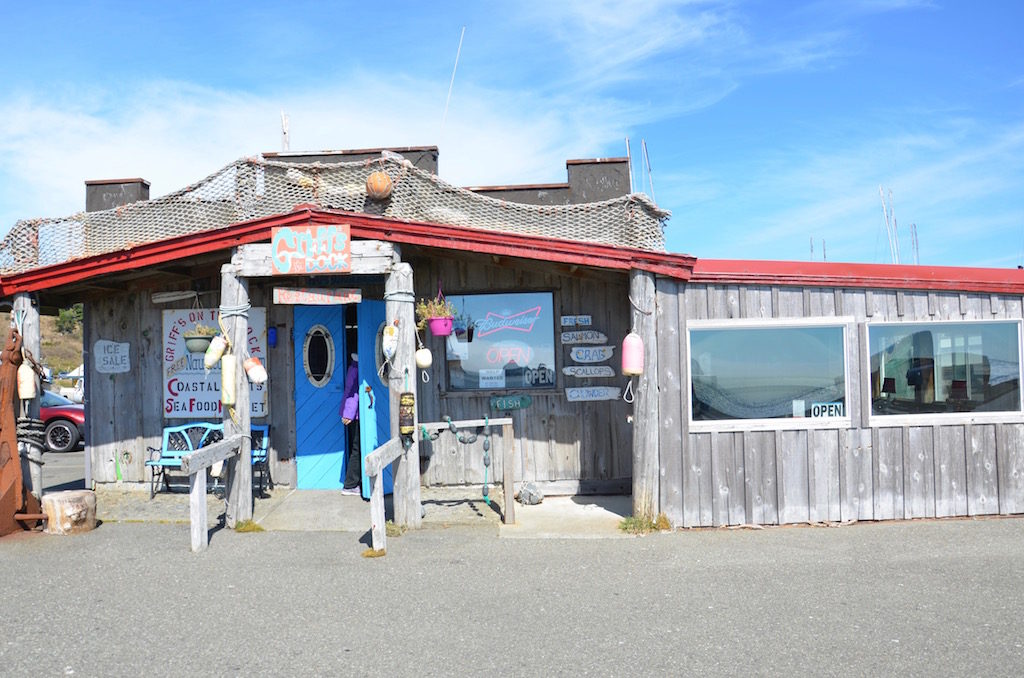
pixel 451 84
pixel 647 161
pixel 285 142
pixel 629 165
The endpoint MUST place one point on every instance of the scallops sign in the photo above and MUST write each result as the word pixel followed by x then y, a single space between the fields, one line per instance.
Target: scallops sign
pixel 300 250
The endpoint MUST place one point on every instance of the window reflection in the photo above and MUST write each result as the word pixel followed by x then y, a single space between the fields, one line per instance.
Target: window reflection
pixel 945 367
pixel 767 373
pixel 502 341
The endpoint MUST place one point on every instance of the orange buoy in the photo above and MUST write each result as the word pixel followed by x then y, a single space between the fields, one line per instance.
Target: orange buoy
pixel 378 185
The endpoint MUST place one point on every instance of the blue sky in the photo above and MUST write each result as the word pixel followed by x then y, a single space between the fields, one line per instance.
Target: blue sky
pixel 769 124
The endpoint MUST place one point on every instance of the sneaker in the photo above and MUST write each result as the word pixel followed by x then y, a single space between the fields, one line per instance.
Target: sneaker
pixel 350 490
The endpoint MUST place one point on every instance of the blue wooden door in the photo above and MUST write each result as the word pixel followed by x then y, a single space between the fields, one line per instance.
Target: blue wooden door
pixel 320 364
pixel 374 407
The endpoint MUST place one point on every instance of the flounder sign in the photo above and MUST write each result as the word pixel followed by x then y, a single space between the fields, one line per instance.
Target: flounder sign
pixel 296 250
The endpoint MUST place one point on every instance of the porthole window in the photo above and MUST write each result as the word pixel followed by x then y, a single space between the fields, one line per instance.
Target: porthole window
pixel 318 355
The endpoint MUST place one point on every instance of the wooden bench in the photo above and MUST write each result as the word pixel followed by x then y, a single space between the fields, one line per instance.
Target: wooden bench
pixel 184 439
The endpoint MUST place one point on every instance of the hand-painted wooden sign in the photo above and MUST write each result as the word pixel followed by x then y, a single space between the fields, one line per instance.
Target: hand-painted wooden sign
pixel 588 371
pixel 575 321
pixel 591 354
pixel 584 337
pixel 591 393
pixel 296 250
pixel 112 357
pixel 316 296
pixel 516 402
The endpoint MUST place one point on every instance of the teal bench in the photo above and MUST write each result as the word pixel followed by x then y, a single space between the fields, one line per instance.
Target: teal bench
pixel 184 439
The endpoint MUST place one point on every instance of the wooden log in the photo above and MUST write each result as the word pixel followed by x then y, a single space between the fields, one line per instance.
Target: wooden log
pixel 400 301
pixel 508 448
pixel 378 528
pixel 234 293
pixel 197 510
pixel 26 306
pixel 70 511
pixel 646 411
pixel 207 456
pixel 369 257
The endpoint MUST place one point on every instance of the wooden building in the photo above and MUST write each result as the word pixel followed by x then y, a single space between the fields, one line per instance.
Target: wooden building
pixel 773 392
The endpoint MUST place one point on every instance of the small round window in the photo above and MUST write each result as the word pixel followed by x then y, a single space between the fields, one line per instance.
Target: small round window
pixel 318 355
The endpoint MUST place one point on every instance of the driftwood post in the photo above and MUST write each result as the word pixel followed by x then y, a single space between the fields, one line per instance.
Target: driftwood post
pixel 398 293
pixel 234 299
pixel 31 459
pixel 195 465
pixel 646 415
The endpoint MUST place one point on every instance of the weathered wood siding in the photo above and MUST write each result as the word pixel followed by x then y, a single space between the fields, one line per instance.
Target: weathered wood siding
pixel 856 473
pixel 567 446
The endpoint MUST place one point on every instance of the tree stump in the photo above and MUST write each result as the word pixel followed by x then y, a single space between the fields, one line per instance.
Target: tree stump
pixel 70 511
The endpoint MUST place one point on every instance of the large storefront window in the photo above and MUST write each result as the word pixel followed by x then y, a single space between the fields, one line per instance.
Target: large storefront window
pixel 502 341
pixel 945 367
pixel 767 373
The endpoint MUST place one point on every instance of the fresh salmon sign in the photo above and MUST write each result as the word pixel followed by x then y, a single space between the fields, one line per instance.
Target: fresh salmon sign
pixel 300 250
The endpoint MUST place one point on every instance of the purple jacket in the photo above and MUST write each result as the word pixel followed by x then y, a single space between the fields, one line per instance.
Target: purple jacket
pixel 350 404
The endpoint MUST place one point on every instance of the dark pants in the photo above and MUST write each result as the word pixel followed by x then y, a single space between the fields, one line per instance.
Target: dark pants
pixel 353 467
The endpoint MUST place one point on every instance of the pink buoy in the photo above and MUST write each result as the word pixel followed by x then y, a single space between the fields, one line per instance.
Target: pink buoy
pixel 632 355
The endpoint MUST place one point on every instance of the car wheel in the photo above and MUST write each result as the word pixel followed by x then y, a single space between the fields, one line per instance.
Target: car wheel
pixel 61 436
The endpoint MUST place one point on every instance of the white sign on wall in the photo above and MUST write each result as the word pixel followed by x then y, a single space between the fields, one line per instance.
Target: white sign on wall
pixel 584 337
pixel 588 371
pixel 111 357
pixel 591 354
pixel 190 391
pixel 575 321
pixel 591 393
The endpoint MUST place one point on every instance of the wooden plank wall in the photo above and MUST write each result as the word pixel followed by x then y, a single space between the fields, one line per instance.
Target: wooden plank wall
pixel 859 473
pixel 566 447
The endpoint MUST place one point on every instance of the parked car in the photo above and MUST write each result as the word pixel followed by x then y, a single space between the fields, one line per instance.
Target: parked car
pixel 65 422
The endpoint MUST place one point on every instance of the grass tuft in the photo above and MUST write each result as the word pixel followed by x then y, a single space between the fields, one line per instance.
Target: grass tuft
pixel 373 553
pixel 248 526
pixel 644 524
pixel 393 530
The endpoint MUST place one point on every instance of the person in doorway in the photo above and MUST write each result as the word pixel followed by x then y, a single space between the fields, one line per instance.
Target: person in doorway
pixel 350 418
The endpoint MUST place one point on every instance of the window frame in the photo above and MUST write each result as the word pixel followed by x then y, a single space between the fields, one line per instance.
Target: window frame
pixel 848 326
pixel 941 418
pixel 448 391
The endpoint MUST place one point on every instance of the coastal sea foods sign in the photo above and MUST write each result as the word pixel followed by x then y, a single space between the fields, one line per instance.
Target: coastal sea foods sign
pixel 190 391
pixel 299 250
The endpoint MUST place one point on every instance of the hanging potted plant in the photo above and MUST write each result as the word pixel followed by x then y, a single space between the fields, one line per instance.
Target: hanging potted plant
pixel 198 339
pixel 436 315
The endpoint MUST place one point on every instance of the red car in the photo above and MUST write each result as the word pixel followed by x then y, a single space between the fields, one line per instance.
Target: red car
pixel 65 422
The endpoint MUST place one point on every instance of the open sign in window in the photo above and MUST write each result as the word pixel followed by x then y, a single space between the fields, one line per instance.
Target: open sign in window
pixel 501 341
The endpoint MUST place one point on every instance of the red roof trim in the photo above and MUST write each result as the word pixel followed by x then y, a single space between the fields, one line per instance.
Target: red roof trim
pixel 882 276
pixel 363 226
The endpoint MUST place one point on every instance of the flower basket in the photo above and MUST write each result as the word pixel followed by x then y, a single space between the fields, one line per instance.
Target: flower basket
pixel 440 327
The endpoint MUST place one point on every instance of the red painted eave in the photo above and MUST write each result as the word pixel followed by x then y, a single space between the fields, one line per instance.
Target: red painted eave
pixel 363 226
pixel 879 276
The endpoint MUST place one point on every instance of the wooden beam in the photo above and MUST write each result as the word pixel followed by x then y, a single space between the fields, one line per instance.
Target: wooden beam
pixel 376 461
pixel 234 294
pixel 197 510
pixel 465 423
pixel 646 419
pixel 207 456
pixel 508 447
pixel 27 309
pixel 369 257
pixel 399 312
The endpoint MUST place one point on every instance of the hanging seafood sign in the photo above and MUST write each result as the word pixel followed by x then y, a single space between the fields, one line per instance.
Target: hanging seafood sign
pixel 584 337
pixel 591 354
pixel 588 371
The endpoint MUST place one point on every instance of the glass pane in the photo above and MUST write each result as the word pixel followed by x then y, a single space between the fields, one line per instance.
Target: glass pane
pixel 944 367
pixel 319 356
pixel 767 373
pixel 502 341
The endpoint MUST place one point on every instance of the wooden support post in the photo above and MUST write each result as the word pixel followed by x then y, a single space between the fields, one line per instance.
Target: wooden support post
pixel 508 447
pixel 234 296
pixel 26 308
pixel 646 418
pixel 398 293
pixel 373 465
pixel 197 510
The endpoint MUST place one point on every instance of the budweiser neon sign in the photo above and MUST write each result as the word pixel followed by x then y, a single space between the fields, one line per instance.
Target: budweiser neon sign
pixel 517 322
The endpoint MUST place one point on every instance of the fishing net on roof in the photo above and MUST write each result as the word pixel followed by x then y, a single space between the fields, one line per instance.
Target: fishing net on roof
pixel 251 188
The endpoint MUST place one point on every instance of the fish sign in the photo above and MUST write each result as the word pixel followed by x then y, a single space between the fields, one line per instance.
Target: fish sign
pixel 584 337
pixel 516 402
pixel 591 354
pixel 575 321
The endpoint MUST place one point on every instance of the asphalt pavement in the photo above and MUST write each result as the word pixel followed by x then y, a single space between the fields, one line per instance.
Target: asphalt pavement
pixel 928 598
